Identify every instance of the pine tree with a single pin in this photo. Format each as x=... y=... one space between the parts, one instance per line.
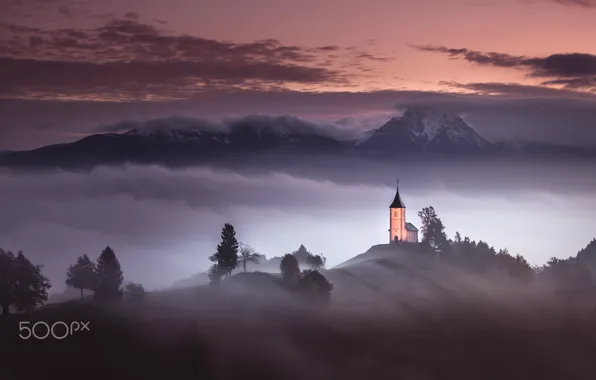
x=433 y=230
x=226 y=256
x=109 y=276
x=81 y=275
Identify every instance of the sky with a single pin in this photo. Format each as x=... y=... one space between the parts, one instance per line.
x=515 y=69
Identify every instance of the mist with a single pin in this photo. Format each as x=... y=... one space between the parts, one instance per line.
x=164 y=224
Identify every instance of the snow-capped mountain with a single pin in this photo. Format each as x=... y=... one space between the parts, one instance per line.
x=425 y=130
x=253 y=132
x=182 y=142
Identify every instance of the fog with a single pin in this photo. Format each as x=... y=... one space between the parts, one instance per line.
x=163 y=223
x=392 y=315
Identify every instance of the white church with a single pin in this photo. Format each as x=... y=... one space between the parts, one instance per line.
x=399 y=229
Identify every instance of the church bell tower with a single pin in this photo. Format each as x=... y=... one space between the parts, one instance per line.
x=397 y=219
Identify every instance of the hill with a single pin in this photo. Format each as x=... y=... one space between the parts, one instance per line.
x=228 y=334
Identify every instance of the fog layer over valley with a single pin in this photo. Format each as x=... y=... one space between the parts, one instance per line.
x=164 y=223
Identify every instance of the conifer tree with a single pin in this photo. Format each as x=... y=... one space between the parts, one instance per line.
x=433 y=230
x=226 y=256
x=109 y=276
x=81 y=275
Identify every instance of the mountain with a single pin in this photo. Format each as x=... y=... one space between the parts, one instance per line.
x=425 y=130
x=177 y=146
x=178 y=142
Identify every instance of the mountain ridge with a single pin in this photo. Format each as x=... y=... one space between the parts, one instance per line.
x=419 y=131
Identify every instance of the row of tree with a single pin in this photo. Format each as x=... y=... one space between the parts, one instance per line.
x=575 y=275
x=24 y=287
x=230 y=254
x=104 y=277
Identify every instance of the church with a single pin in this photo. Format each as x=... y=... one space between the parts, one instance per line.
x=399 y=229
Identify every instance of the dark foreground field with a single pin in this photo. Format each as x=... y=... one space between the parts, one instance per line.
x=392 y=315
x=284 y=342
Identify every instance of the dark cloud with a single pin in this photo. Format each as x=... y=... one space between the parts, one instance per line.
x=580 y=3
x=572 y=70
x=127 y=59
x=497 y=110
x=132 y=15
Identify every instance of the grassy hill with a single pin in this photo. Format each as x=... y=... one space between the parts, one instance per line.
x=393 y=314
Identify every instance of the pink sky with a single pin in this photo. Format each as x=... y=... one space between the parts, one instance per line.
x=384 y=28
x=178 y=53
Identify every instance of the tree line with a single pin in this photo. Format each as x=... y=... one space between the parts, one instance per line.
x=570 y=277
x=230 y=253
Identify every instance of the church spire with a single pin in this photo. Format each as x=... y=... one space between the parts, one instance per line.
x=397 y=202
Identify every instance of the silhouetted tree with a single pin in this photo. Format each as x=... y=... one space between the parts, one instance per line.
x=315 y=285
x=433 y=230
x=22 y=283
x=587 y=256
x=109 y=276
x=81 y=275
x=317 y=262
x=290 y=268
x=136 y=291
x=226 y=255
x=306 y=257
x=516 y=266
x=302 y=254
x=457 y=239
x=249 y=255
x=215 y=274
x=567 y=277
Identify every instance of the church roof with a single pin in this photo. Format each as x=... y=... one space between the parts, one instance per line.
x=411 y=227
x=397 y=202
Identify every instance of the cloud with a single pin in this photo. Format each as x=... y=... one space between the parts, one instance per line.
x=573 y=70
x=579 y=3
x=497 y=110
x=284 y=124
x=125 y=59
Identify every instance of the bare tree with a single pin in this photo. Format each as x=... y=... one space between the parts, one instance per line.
x=248 y=254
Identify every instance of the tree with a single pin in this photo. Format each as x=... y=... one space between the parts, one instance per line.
x=136 y=291
x=215 y=274
x=109 y=276
x=317 y=262
x=315 y=286
x=249 y=255
x=226 y=255
x=433 y=230
x=588 y=256
x=22 y=283
x=302 y=254
x=81 y=275
x=290 y=268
